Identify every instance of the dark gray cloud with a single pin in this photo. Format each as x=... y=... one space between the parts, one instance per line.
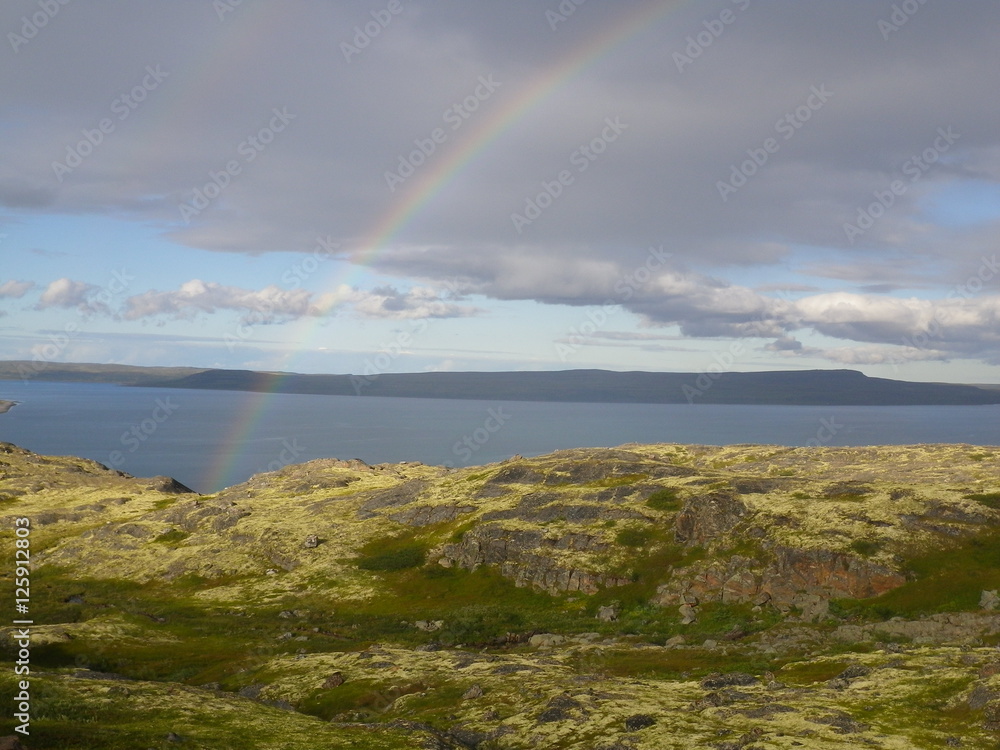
x=269 y=130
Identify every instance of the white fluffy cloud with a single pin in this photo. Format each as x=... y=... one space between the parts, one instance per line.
x=272 y=304
x=276 y=305
x=15 y=289
x=67 y=293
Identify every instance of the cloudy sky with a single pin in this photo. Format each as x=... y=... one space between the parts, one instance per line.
x=411 y=185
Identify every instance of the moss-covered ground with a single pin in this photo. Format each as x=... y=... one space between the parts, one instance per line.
x=339 y=605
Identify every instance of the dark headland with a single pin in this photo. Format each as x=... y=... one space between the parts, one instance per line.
x=799 y=387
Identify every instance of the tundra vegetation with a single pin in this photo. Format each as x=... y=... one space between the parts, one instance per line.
x=647 y=596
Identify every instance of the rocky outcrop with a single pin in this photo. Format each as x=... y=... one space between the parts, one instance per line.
x=526 y=557
x=189 y=515
x=168 y=485
x=800 y=578
x=946 y=627
x=545 y=507
x=828 y=573
x=401 y=494
x=427 y=515
x=705 y=518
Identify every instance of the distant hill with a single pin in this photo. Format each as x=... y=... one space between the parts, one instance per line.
x=799 y=387
x=69 y=372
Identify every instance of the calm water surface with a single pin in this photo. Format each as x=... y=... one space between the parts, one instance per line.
x=212 y=439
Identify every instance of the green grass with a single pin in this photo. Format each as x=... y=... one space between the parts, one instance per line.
x=172 y=537
x=367 y=699
x=866 y=547
x=400 y=558
x=477 y=623
x=176 y=638
x=7 y=501
x=949 y=579
x=458 y=534
x=717 y=619
x=989 y=499
x=559 y=479
x=747 y=547
x=395 y=553
x=804 y=673
x=674 y=664
x=933 y=711
x=77 y=715
x=632 y=537
x=665 y=499
x=434 y=706
x=476 y=606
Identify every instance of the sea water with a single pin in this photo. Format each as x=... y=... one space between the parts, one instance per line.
x=212 y=439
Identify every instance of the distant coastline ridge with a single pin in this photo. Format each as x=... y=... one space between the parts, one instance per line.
x=774 y=388
x=6 y=406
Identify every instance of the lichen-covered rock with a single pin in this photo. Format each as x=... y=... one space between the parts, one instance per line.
x=688 y=614
x=530 y=557
x=608 y=613
x=801 y=578
x=706 y=518
x=476 y=691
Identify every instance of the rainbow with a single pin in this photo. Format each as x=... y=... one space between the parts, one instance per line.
x=429 y=182
x=433 y=180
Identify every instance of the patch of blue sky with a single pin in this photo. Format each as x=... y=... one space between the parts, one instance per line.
x=92 y=248
x=963 y=204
